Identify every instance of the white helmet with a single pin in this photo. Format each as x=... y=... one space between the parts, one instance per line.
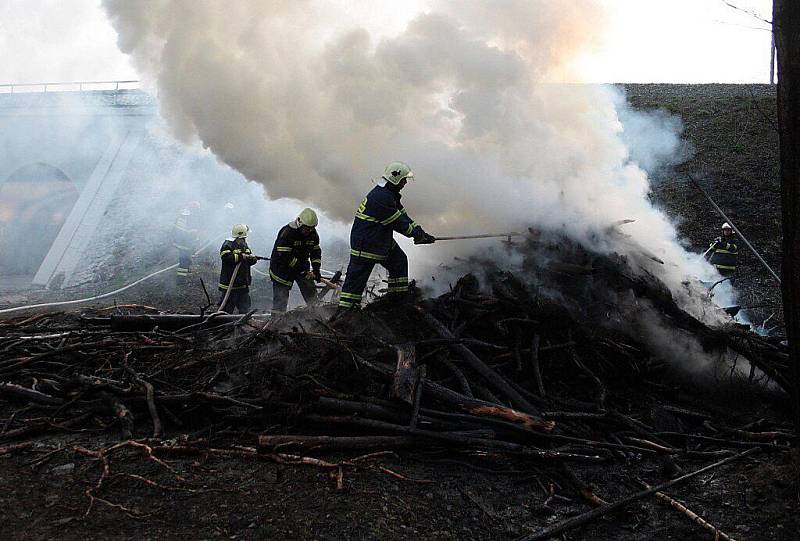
x=396 y=172
x=239 y=231
x=726 y=225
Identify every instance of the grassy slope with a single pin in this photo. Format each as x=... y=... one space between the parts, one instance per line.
x=732 y=129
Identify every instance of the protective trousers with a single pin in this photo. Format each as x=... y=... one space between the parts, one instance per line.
x=184 y=264
x=239 y=299
x=359 y=269
x=280 y=293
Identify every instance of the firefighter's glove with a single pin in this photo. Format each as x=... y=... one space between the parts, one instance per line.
x=317 y=275
x=421 y=237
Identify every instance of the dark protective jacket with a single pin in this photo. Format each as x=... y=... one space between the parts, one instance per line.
x=377 y=217
x=231 y=254
x=291 y=254
x=184 y=233
x=723 y=253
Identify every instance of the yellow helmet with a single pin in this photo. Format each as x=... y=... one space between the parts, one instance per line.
x=239 y=231
x=307 y=218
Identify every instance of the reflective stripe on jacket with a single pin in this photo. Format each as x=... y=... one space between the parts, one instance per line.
x=231 y=253
x=184 y=232
x=723 y=253
x=292 y=253
x=377 y=217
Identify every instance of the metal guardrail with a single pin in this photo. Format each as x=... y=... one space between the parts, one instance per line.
x=67 y=86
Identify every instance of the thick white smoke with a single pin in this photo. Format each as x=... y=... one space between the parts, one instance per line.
x=312 y=98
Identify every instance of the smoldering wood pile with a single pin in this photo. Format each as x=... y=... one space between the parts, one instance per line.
x=489 y=372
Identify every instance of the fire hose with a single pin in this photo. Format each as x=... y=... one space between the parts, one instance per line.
x=221 y=309
x=328 y=283
x=233 y=277
x=104 y=295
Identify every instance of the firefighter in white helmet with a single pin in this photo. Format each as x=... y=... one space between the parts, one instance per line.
x=185 y=238
x=723 y=252
x=234 y=251
x=296 y=257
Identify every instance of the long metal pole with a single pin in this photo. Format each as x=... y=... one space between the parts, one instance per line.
x=490 y=236
x=719 y=210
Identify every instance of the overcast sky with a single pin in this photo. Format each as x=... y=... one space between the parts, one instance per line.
x=680 y=41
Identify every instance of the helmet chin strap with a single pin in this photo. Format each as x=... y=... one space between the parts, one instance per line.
x=396 y=187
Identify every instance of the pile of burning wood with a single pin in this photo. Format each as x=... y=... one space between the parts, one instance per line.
x=487 y=370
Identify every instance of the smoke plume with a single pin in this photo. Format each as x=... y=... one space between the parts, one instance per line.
x=312 y=98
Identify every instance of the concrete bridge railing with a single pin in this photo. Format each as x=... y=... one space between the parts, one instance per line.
x=78 y=86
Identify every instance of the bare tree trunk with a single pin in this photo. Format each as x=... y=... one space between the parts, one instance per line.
x=786 y=29
x=772 y=61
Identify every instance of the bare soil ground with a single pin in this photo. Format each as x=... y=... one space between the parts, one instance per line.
x=44 y=488
x=409 y=494
x=733 y=142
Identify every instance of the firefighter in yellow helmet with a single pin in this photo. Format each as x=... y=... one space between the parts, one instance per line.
x=378 y=216
x=296 y=246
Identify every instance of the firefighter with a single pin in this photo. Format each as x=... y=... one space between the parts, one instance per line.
x=723 y=252
x=234 y=251
x=296 y=246
x=371 y=238
x=185 y=239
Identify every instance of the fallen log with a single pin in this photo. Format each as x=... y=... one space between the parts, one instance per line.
x=20 y=392
x=246 y=453
x=151 y=403
x=388 y=412
x=600 y=387
x=537 y=372
x=463 y=383
x=586 y=492
x=417 y=397
x=465 y=403
x=15 y=447
x=15 y=364
x=720 y=441
x=168 y=322
x=481 y=408
x=603 y=510
x=521 y=430
x=718 y=534
x=39 y=428
x=574 y=415
x=269 y=443
x=764 y=437
x=459 y=439
x=281 y=442
x=406 y=375
x=479 y=366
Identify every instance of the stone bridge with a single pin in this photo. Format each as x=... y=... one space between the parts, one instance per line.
x=63 y=156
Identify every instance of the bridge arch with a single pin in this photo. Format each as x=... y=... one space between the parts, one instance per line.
x=35 y=201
